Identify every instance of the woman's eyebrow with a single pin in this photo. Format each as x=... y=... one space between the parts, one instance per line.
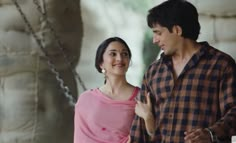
x=124 y=50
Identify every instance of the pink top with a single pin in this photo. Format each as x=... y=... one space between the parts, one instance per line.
x=99 y=119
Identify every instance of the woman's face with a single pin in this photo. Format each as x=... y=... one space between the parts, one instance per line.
x=116 y=59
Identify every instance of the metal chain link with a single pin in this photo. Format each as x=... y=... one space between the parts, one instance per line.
x=65 y=89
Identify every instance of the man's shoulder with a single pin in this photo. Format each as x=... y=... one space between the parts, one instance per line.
x=155 y=64
x=216 y=53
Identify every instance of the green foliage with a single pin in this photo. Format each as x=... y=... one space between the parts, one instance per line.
x=137 y=5
x=150 y=51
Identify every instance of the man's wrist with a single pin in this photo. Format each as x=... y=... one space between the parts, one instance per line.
x=214 y=138
x=210 y=133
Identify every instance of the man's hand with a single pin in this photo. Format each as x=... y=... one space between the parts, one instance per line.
x=197 y=136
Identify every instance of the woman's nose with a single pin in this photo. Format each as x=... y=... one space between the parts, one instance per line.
x=119 y=57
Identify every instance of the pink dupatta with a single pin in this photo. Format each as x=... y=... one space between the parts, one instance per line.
x=99 y=119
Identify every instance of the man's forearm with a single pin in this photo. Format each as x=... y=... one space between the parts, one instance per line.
x=226 y=127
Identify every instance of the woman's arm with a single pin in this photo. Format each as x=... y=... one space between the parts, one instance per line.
x=144 y=110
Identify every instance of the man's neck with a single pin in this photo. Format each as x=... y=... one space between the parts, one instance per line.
x=181 y=57
x=186 y=51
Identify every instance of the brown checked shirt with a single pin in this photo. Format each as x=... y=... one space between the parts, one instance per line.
x=204 y=95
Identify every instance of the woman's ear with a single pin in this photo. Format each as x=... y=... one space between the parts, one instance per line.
x=102 y=67
x=177 y=29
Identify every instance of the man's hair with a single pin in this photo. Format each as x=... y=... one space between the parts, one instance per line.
x=176 y=12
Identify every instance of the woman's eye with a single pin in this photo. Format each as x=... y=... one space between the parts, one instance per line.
x=125 y=54
x=113 y=54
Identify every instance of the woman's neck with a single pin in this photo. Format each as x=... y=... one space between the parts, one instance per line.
x=113 y=86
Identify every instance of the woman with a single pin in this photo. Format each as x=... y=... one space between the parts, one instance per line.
x=105 y=114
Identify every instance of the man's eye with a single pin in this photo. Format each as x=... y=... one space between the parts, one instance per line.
x=158 y=33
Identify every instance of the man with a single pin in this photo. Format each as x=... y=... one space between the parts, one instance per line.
x=192 y=86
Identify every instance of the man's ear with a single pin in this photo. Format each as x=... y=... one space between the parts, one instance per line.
x=177 y=30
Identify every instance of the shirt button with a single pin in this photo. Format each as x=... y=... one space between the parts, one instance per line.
x=168 y=133
x=170 y=115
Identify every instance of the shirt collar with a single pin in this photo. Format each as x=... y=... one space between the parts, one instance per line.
x=192 y=62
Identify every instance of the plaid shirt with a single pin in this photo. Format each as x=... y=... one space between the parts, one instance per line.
x=201 y=96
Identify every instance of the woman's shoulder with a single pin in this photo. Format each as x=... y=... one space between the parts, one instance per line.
x=134 y=88
x=88 y=92
x=87 y=95
x=135 y=92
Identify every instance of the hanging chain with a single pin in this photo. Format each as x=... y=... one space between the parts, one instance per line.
x=59 y=43
x=66 y=90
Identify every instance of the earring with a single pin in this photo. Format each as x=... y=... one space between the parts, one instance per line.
x=103 y=71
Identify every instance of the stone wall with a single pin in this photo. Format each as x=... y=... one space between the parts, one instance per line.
x=218 y=20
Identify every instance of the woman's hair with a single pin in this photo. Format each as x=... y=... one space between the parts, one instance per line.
x=176 y=12
x=102 y=48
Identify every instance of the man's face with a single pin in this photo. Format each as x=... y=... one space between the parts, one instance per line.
x=165 y=39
